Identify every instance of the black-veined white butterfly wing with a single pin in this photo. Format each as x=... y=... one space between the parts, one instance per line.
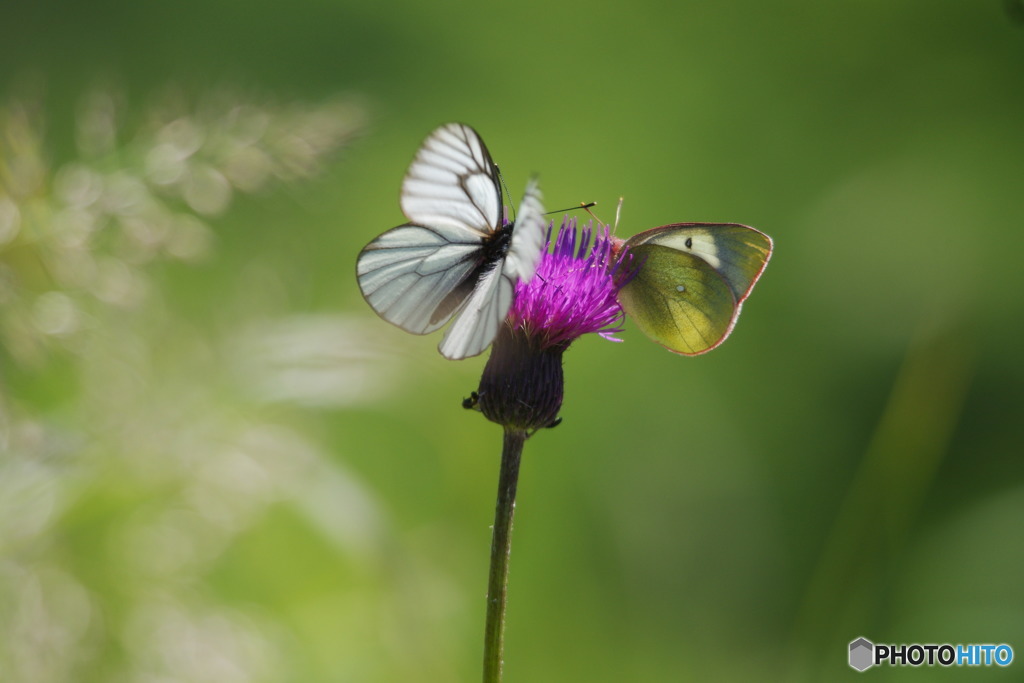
x=453 y=182
x=416 y=277
x=419 y=275
x=528 y=236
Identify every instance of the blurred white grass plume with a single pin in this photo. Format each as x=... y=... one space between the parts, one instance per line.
x=169 y=468
x=85 y=227
x=317 y=361
x=48 y=615
x=170 y=640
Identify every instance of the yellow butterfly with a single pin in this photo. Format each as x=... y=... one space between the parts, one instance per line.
x=690 y=281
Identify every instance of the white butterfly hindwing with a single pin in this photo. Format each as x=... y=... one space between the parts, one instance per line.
x=407 y=273
x=476 y=326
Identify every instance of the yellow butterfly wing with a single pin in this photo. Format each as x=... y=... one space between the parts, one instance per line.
x=690 y=282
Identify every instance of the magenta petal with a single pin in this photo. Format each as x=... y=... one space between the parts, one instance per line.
x=574 y=289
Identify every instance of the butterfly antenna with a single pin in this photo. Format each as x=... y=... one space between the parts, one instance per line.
x=582 y=205
x=505 y=188
x=619 y=213
x=592 y=214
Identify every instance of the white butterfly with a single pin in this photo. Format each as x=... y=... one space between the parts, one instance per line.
x=454 y=257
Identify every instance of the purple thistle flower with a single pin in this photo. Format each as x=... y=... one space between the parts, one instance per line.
x=573 y=291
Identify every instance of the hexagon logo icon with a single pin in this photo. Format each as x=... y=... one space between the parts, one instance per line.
x=862 y=654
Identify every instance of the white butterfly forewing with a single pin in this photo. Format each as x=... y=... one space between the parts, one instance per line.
x=452 y=181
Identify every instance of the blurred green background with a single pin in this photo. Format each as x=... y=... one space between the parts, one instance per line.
x=216 y=464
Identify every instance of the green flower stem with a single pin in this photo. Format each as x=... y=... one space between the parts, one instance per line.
x=501 y=545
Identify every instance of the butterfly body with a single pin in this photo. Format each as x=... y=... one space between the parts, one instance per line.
x=497 y=245
x=455 y=259
x=690 y=280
